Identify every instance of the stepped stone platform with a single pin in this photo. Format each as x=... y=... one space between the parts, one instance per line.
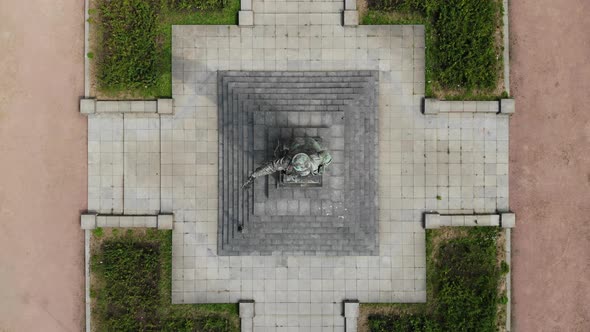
x=257 y=111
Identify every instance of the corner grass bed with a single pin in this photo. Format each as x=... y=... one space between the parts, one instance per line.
x=463 y=43
x=465 y=286
x=131 y=42
x=131 y=287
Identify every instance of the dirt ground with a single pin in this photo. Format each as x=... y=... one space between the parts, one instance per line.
x=550 y=164
x=43 y=165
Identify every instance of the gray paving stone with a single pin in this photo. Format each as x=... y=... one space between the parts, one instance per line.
x=165 y=221
x=508 y=220
x=87 y=106
x=88 y=221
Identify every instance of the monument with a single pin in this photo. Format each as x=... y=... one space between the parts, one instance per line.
x=298 y=163
x=302 y=162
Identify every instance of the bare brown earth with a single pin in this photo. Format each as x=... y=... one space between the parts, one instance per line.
x=550 y=164
x=42 y=165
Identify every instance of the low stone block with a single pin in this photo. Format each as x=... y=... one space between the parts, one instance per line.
x=151 y=222
x=351 y=308
x=508 y=220
x=101 y=221
x=431 y=106
x=107 y=106
x=150 y=106
x=87 y=106
x=246 y=308
x=507 y=106
x=444 y=106
x=165 y=106
x=488 y=220
x=458 y=221
x=457 y=106
x=165 y=221
x=432 y=220
x=88 y=221
x=350 y=4
x=351 y=18
x=246 y=18
x=126 y=221
x=138 y=106
x=112 y=221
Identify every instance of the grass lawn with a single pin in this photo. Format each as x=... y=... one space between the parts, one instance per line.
x=131 y=42
x=131 y=271
x=463 y=43
x=465 y=286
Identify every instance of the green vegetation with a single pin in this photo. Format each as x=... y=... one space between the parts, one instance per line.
x=463 y=43
x=464 y=281
x=131 y=287
x=133 y=41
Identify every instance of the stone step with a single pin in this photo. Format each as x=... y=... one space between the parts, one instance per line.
x=245 y=100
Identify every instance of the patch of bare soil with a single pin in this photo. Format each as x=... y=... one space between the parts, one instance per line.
x=43 y=170
x=550 y=164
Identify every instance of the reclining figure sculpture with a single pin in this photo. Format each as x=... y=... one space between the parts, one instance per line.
x=301 y=158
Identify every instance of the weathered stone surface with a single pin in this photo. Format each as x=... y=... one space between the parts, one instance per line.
x=507 y=106
x=350 y=18
x=432 y=221
x=246 y=18
x=165 y=106
x=260 y=109
x=87 y=106
x=165 y=221
x=508 y=220
x=88 y=221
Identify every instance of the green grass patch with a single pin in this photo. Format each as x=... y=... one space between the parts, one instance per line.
x=131 y=287
x=463 y=43
x=133 y=41
x=464 y=285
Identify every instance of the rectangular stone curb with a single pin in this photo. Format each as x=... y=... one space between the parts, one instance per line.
x=247 y=313
x=87 y=106
x=351 y=314
x=507 y=106
x=508 y=220
x=165 y=221
x=432 y=221
x=126 y=221
x=246 y=18
x=165 y=106
x=435 y=106
x=350 y=18
x=431 y=106
x=350 y=4
x=88 y=221
x=122 y=106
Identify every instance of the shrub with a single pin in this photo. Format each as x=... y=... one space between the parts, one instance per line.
x=128 y=46
x=131 y=272
x=464 y=52
x=466 y=282
x=131 y=288
x=196 y=4
x=461 y=49
x=414 y=323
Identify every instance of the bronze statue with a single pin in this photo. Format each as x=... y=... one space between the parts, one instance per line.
x=301 y=158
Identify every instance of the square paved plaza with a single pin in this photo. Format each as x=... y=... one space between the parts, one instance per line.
x=452 y=161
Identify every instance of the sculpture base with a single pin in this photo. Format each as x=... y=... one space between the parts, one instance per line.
x=306 y=181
